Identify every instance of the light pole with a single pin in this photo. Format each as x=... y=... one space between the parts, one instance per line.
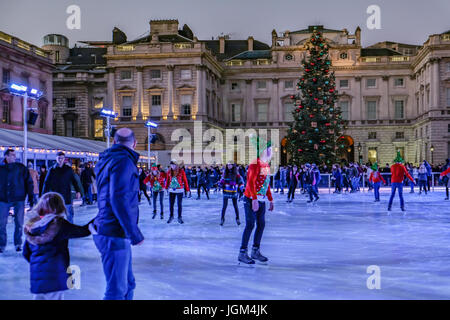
x=432 y=151
x=26 y=93
x=150 y=139
x=108 y=114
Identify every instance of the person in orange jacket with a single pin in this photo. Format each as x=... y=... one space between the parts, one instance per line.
x=157 y=180
x=376 y=178
x=176 y=182
x=398 y=173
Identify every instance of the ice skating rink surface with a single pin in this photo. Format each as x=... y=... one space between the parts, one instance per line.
x=316 y=251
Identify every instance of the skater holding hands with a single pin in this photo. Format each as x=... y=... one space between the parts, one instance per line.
x=157 y=180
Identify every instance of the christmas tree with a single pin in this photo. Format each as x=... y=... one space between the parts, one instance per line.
x=317 y=121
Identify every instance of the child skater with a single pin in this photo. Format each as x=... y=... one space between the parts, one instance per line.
x=376 y=178
x=157 y=180
x=46 y=247
x=231 y=182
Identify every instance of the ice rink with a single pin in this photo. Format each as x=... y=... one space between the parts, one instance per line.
x=319 y=251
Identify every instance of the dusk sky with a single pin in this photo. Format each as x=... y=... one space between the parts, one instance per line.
x=401 y=21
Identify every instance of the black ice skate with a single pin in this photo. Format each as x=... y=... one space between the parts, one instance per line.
x=222 y=221
x=170 y=219
x=154 y=214
x=244 y=258
x=316 y=199
x=238 y=222
x=256 y=255
x=180 y=221
x=162 y=215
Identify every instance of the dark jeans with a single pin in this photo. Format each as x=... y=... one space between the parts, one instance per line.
x=144 y=190
x=179 y=197
x=376 y=190
x=116 y=260
x=161 y=199
x=311 y=192
x=204 y=188
x=225 y=204
x=395 y=186
x=250 y=218
x=19 y=208
x=291 y=191
x=87 y=193
x=422 y=184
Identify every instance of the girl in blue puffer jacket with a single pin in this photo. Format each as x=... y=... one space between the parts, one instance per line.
x=46 y=247
x=231 y=183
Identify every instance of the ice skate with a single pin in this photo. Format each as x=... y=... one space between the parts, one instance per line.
x=154 y=214
x=18 y=248
x=222 y=221
x=238 y=222
x=162 y=215
x=244 y=259
x=316 y=199
x=257 y=256
x=170 y=219
x=180 y=221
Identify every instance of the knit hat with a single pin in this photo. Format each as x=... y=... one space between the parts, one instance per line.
x=154 y=167
x=399 y=158
x=375 y=167
x=260 y=143
x=173 y=161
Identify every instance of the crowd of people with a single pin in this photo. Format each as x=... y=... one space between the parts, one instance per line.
x=117 y=186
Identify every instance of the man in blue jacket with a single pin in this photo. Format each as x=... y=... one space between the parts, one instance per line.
x=15 y=185
x=116 y=224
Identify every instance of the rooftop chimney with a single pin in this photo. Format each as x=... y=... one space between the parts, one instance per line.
x=250 y=43
x=221 y=44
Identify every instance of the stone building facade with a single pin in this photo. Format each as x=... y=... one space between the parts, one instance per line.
x=394 y=96
x=25 y=64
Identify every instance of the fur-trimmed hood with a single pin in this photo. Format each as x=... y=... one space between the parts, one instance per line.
x=42 y=230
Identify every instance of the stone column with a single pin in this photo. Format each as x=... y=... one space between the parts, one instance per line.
x=170 y=89
x=384 y=101
x=435 y=84
x=357 y=106
x=247 y=110
x=140 y=92
x=111 y=89
x=199 y=91
x=273 y=114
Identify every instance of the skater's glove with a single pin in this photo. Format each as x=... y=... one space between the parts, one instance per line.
x=270 y=206
x=92 y=229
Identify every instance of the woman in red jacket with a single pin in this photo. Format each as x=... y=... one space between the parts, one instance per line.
x=176 y=182
x=157 y=180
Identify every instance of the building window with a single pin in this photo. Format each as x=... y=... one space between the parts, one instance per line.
x=42 y=86
x=371 y=83
x=402 y=152
x=70 y=128
x=289 y=84
x=126 y=106
x=398 y=82
x=156 y=106
x=71 y=103
x=448 y=97
x=372 y=135
x=448 y=66
x=235 y=112
x=125 y=75
x=98 y=128
x=448 y=128
x=371 y=110
x=56 y=56
x=185 y=74
x=343 y=83
x=234 y=86
x=262 y=112
x=155 y=74
x=98 y=103
x=399 y=109
x=343 y=55
x=42 y=118
x=261 y=85
x=6 y=115
x=289 y=108
x=186 y=101
x=399 y=135
x=343 y=105
x=6 y=76
x=372 y=155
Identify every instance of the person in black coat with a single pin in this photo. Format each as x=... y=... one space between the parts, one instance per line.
x=293 y=181
x=143 y=186
x=59 y=178
x=42 y=176
x=203 y=182
x=15 y=185
x=46 y=247
x=87 y=176
x=116 y=224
